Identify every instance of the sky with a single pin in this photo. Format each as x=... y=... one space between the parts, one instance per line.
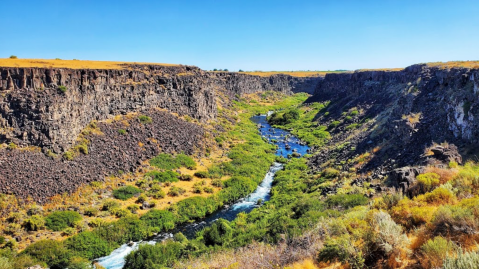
x=242 y=34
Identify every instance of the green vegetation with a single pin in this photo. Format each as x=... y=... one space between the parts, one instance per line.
x=63 y=89
x=13 y=57
x=122 y=131
x=60 y=220
x=126 y=192
x=145 y=119
x=167 y=176
x=300 y=121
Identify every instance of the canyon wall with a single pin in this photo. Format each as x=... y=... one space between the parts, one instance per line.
x=402 y=113
x=34 y=110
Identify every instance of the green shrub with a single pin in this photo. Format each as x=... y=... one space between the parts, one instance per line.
x=68 y=155
x=133 y=208
x=80 y=263
x=334 y=124
x=176 y=191
x=450 y=219
x=122 y=131
x=51 y=252
x=69 y=231
x=96 y=222
x=202 y=174
x=162 y=219
x=144 y=119
x=34 y=223
x=156 y=192
x=63 y=89
x=125 y=192
x=220 y=233
x=354 y=113
x=60 y=220
x=12 y=146
x=352 y=126
x=341 y=249
x=217 y=183
x=120 y=212
x=88 y=245
x=185 y=177
x=385 y=235
x=186 y=161
x=462 y=260
x=158 y=256
x=13 y=57
x=346 y=200
x=435 y=250
x=208 y=189
x=330 y=173
x=91 y=211
x=167 y=176
x=109 y=204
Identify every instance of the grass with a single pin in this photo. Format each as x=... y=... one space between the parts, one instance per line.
x=292 y=73
x=72 y=64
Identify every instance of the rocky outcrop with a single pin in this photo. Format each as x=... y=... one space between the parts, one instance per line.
x=401 y=113
x=34 y=110
x=111 y=152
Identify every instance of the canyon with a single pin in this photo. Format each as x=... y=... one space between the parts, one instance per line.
x=404 y=110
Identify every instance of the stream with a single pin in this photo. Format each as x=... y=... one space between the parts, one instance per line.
x=287 y=144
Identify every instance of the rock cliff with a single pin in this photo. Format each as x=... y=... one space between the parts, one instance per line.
x=36 y=110
x=401 y=113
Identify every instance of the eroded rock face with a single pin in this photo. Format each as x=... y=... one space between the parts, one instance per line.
x=33 y=111
x=407 y=111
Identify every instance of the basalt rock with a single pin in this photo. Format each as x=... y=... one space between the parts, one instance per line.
x=404 y=178
x=402 y=113
x=34 y=110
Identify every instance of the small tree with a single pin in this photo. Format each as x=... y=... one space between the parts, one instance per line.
x=13 y=57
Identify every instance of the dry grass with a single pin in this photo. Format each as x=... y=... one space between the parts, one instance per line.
x=292 y=73
x=73 y=64
x=297 y=253
x=455 y=64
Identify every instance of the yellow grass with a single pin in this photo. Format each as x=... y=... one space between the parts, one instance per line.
x=72 y=64
x=453 y=64
x=292 y=73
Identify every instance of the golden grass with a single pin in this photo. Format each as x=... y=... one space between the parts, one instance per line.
x=455 y=64
x=291 y=73
x=72 y=64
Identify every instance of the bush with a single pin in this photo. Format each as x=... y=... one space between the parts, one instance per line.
x=51 y=252
x=387 y=237
x=63 y=89
x=452 y=219
x=162 y=219
x=186 y=161
x=80 y=263
x=462 y=260
x=156 y=192
x=435 y=251
x=202 y=174
x=13 y=57
x=167 y=176
x=69 y=231
x=428 y=181
x=208 y=189
x=60 y=220
x=161 y=255
x=109 y=204
x=343 y=250
x=90 y=211
x=217 y=183
x=346 y=200
x=34 y=223
x=441 y=195
x=220 y=233
x=88 y=245
x=122 y=131
x=185 y=177
x=334 y=124
x=133 y=208
x=68 y=155
x=12 y=146
x=176 y=191
x=126 y=192
x=144 y=119
x=330 y=173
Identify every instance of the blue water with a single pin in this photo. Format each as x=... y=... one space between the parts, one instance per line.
x=282 y=138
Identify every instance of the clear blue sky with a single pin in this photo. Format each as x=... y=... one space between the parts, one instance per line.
x=243 y=34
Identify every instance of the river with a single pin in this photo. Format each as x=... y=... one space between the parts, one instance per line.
x=287 y=144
